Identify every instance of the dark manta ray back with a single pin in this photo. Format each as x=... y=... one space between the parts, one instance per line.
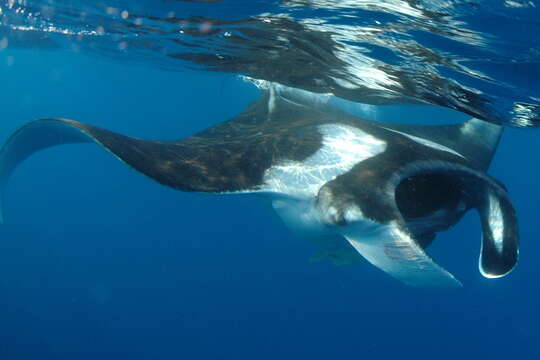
x=385 y=189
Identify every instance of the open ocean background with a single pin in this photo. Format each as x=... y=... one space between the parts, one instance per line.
x=99 y=262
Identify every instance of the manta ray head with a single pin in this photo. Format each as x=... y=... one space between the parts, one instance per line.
x=390 y=223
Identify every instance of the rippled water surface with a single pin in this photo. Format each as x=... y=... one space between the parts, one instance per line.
x=479 y=57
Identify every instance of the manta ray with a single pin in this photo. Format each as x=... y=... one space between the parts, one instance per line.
x=354 y=187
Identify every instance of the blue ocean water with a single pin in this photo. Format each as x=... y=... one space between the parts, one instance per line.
x=97 y=261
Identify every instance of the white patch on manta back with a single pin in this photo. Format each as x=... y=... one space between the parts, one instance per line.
x=342 y=148
x=427 y=143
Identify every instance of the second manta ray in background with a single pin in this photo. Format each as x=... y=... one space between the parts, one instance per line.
x=384 y=189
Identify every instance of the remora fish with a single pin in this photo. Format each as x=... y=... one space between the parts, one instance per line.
x=386 y=189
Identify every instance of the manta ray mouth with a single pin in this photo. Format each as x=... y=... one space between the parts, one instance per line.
x=430 y=203
x=429 y=200
x=434 y=200
x=420 y=196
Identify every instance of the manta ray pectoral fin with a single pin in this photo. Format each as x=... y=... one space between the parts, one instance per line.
x=500 y=235
x=392 y=250
x=229 y=157
x=190 y=165
x=476 y=140
x=32 y=138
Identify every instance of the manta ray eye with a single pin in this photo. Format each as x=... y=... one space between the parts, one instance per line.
x=421 y=195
